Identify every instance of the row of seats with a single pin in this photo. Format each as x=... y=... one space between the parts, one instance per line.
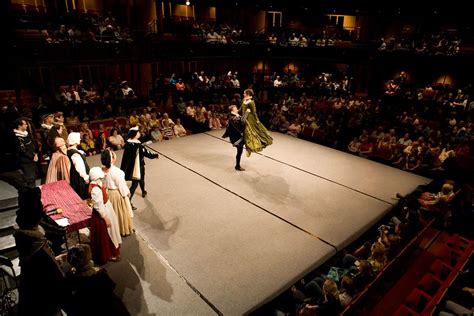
x=312 y=134
x=108 y=123
x=433 y=285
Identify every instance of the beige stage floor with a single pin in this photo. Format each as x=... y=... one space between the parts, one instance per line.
x=213 y=240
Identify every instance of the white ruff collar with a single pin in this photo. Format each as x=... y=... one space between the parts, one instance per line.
x=20 y=133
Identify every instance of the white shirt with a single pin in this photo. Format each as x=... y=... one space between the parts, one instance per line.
x=80 y=166
x=127 y=90
x=235 y=83
x=107 y=210
x=116 y=140
x=179 y=130
x=115 y=179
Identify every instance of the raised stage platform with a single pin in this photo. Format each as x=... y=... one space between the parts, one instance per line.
x=213 y=240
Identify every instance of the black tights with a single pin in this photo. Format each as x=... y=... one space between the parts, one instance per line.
x=240 y=149
x=135 y=185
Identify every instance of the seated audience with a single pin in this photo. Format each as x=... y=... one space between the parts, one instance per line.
x=88 y=145
x=156 y=134
x=116 y=140
x=179 y=129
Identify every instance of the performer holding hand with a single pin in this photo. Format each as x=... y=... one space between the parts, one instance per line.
x=133 y=161
x=235 y=131
x=256 y=135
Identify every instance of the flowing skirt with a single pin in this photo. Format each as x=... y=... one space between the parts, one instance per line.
x=105 y=241
x=256 y=135
x=123 y=210
x=58 y=168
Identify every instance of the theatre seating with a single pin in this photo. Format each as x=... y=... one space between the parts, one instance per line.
x=122 y=120
x=440 y=270
x=404 y=310
x=450 y=256
x=417 y=300
x=430 y=290
x=108 y=123
x=430 y=284
x=458 y=243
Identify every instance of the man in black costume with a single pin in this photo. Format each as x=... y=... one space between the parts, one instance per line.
x=26 y=151
x=135 y=171
x=235 y=131
x=10 y=169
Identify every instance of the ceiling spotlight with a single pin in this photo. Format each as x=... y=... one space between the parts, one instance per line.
x=188 y=2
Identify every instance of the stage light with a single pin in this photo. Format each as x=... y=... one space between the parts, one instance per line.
x=188 y=2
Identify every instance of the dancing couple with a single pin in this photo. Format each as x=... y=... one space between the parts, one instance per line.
x=246 y=129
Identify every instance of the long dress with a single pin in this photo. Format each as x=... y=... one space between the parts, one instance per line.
x=105 y=241
x=255 y=134
x=59 y=168
x=118 y=191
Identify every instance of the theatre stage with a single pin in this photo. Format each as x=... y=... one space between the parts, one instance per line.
x=213 y=240
x=236 y=240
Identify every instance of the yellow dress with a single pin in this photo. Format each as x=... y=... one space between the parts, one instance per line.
x=256 y=135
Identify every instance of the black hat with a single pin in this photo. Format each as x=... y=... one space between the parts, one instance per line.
x=46 y=115
x=132 y=132
x=30 y=209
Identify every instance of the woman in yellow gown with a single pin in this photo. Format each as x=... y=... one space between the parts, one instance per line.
x=256 y=135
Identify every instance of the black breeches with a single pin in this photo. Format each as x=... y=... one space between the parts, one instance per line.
x=240 y=149
x=29 y=173
x=135 y=184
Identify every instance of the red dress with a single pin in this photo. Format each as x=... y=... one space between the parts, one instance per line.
x=102 y=246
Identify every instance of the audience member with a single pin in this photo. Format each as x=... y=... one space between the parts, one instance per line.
x=43 y=289
x=179 y=129
x=116 y=140
x=92 y=287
